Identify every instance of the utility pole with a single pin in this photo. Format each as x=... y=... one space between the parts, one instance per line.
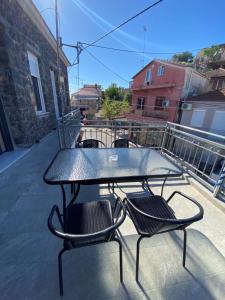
x=78 y=48
x=145 y=30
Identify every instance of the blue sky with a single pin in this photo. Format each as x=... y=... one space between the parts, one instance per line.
x=171 y=26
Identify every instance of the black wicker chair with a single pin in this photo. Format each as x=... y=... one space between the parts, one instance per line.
x=86 y=224
x=122 y=143
x=90 y=143
x=152 y=215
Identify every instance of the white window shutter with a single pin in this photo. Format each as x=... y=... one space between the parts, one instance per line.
x=33 y=63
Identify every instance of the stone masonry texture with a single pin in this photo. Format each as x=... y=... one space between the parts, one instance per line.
x=18 y=34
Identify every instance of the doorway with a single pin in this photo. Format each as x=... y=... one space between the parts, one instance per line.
x=5 y=139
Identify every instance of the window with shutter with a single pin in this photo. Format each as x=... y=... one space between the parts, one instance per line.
x=140 y=103
x=37 y=97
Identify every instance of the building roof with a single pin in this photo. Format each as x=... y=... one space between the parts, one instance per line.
x=216 y=73
x=212 y=96
x=88 y=92
x=35 y=16
x=171 y=63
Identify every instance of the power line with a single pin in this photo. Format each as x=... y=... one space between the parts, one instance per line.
x=125 y=22
x=134 y=51
x=109 y=69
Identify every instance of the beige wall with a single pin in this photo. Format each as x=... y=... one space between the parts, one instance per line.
x=210 y=110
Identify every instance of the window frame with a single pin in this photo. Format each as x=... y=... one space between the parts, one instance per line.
x=148 y=78
x=35 y=72
x=217 y=117
x=161 y=71
x=140 y=103
x=198 y=118
x=157 y=99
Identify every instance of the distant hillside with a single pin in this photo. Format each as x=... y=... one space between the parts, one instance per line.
x=210 y=58
x=205 y=60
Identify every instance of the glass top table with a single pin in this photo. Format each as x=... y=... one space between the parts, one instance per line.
x=108 y=165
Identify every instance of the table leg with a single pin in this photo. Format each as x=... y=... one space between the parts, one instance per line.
x=148 y=187
x=64 y=205
x=75 y=194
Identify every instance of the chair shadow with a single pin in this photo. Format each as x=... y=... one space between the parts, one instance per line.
x=198 y=266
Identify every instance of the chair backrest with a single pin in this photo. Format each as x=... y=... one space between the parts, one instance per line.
x=87 y=238
x=166 y=224
x=90 y=143
x=121 y=143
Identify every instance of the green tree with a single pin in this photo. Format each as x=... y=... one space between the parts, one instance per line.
x=210 y=52
x=113 y=108
x=113 y=92
x=185 y=56
x=127 y=97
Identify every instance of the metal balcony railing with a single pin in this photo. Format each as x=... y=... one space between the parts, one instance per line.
x=69 y=129
x=200 y=153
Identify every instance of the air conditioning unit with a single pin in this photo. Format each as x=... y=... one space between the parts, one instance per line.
x=165 y=103
x=186 y=106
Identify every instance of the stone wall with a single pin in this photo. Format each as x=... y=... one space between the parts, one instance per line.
x=18 y=34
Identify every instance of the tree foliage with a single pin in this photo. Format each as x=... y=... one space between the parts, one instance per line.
x=114 y=92
x=210 y=52
x=127 y=97
x=116 y=101
x=113 y=108
x=185 y=56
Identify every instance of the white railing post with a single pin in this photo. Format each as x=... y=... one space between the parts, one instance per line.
x=164 y=138
x=220 y=181
x=115 y=129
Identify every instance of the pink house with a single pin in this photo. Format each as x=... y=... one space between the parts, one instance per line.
x=158 y=88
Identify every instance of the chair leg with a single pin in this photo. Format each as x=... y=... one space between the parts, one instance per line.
x=184 y=247
x=60 y=271
x=121 y=258
x=111 y=187
x=137 y=257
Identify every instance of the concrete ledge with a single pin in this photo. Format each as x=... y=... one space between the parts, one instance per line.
x=206 y=193
x=9 y=158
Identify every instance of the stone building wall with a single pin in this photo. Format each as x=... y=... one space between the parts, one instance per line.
x=18 y=34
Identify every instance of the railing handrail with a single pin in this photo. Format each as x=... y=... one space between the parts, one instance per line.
x=196 y=137
x=116 y=126
x=197 y=130
x=69 y=114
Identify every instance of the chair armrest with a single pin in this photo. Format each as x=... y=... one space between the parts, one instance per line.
x=55 y=209
x=78 y=144
x=102 y=143
x=185 y=221
x=200 y=213
x=74 y=237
